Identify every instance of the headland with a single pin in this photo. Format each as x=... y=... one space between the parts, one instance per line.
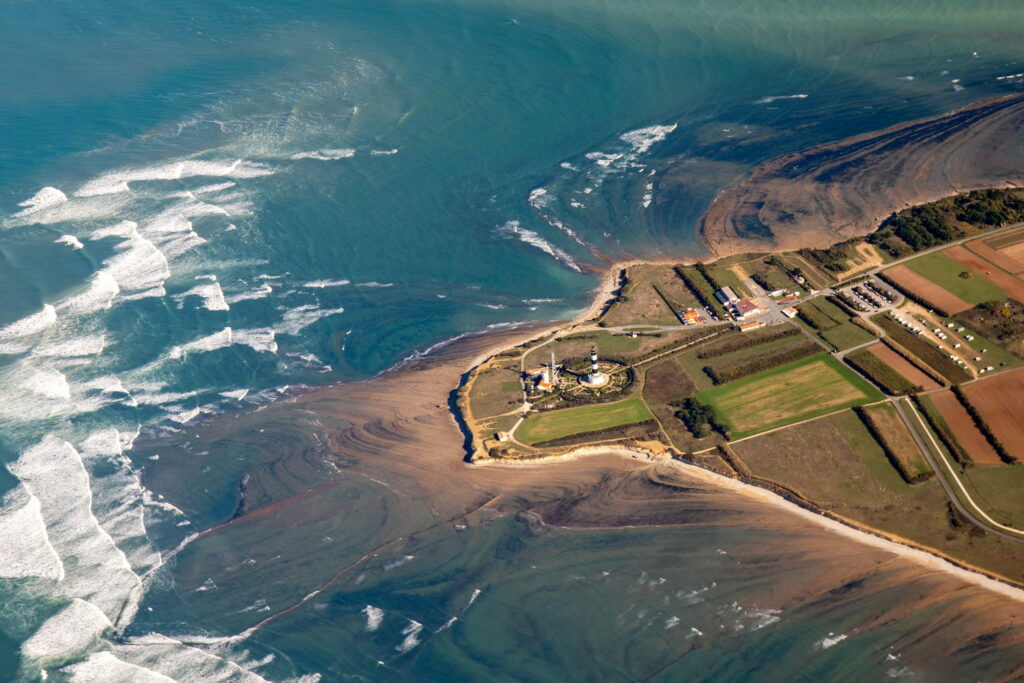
x=865 y=382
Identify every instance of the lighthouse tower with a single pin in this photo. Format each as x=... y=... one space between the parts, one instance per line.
x=596 y=378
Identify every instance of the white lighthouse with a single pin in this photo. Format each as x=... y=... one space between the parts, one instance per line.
x=596 y=378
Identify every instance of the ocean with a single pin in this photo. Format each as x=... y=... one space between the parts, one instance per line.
x=209 y=209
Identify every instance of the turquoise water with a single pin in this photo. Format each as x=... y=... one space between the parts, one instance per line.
x=205 y=204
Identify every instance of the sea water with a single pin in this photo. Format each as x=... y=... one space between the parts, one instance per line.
x=208 y=205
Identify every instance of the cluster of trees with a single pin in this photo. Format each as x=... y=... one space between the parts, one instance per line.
x=999 y=320
x=983 y=427
x=930 y=225
x=892 y=382
x=940 y=427
x=834 y=258
x=787 y=354
x=702 y=290
x=699 y=419
x=888 y=449
x=738 y=341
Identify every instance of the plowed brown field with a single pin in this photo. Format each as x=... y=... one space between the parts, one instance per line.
x=998 y=399
x=1000 y=258
x=902 y=366
x=1000 y=278
x=927 y=290
x=960 y=421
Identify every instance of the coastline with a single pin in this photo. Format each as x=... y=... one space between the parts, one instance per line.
x=920 y=554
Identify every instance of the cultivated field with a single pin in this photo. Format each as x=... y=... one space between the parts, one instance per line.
x=796 y=391
x=940 y=268
x=1005 y=259
x=925 y=289
x=962 y=426
x=893 y=434
x=560 y=423
x=1002 y=280
x=998 y=400
x=904 y=367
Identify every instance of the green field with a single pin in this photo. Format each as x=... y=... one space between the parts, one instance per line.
x=945 y=272
x=846 y=336
x=560 y=423
x=790 y=393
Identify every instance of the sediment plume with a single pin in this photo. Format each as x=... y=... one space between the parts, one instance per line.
x=845 y=189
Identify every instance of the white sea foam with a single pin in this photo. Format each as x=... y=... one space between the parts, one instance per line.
x=25 y=548
x=325 y=154
x=384 y=152
x=69 y=632
x=642 y=139
x=124 y=230
x=374 y=617
x=375 y=285
x=46 y=382
x=99 y=295
x=671 y=622
x=236 y=394
x=297 y=319
x=118 y=181
x=412 y=636
x=260 y=292
x=209 y=292
x=118 y=496
x=44 y=199
x=773 y=98
x=182 y=662
x=70 y=240
x=104 y=667
x=829 y=641
x=513 y=229
x=259 y=339
x=138 y=268
x=79 y=347
x=53 y=472
x=21 y=335
x=321 y=284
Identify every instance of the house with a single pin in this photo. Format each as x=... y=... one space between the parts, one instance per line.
x=726 y=296
x=789 y=312
x=754 y=325
x=777 y=293
x=747 y=308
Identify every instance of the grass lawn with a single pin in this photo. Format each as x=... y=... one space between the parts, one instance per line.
x=846 y=336
x=796 y=391
x=945 y=272
x=559 y=423
x=998 y=490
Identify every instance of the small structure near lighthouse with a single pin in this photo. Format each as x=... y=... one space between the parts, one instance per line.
x=595 y=378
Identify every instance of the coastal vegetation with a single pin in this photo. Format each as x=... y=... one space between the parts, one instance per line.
x=557 y=424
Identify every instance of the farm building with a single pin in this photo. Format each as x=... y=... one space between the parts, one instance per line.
x=726 y=296
x=747 y=308
x=789 y=312
x=753 y=325
x=690 y=317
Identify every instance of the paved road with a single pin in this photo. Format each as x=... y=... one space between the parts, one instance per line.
x=946 y=474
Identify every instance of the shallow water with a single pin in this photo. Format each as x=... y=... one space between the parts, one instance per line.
x=204 y=205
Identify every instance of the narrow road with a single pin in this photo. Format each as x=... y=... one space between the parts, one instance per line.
x=950 y=481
